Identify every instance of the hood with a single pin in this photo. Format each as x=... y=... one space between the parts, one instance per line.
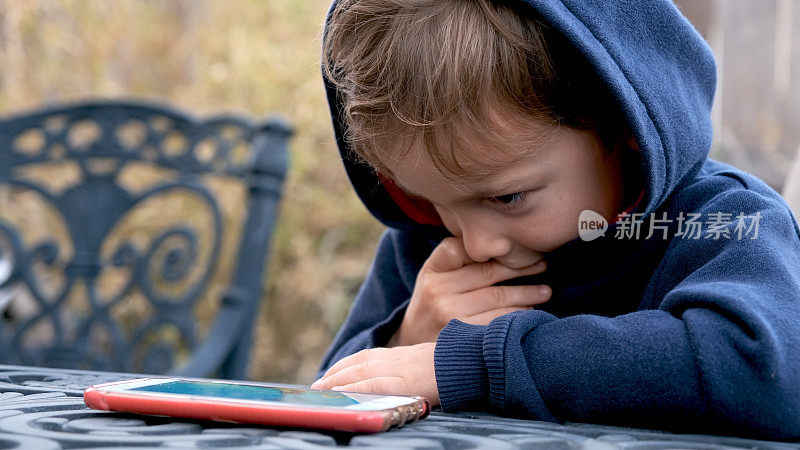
x=655 y=64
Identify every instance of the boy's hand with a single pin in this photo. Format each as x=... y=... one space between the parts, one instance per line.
x=452 y=286
x=393 y=371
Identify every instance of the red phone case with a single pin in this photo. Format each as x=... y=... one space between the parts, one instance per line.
x=229 y=411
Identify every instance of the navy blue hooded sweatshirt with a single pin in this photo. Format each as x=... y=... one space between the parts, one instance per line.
x=678 y=333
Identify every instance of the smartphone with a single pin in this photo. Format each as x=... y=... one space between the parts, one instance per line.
x=262 y=404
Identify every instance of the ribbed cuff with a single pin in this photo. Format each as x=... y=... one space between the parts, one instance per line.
x=508 y=367
x=494 y=346
x=460 y=370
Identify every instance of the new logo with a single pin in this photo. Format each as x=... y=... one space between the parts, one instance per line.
x=591 y=225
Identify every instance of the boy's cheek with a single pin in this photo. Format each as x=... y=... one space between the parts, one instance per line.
x=447 y=220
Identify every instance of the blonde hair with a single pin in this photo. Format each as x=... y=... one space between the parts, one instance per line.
x=443 y=73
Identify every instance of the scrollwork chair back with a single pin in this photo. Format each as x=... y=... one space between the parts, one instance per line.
x=118 y=260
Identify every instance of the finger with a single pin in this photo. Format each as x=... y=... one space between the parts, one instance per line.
x=475 y=276
x=378 y=385
x=487 y=317
x=358 y=372
x=359 y=358
x=449 y=255
x=496 y=297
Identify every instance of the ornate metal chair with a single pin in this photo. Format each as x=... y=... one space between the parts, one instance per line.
x=115 y=222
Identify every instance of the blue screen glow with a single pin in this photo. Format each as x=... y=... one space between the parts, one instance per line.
x=254 y=393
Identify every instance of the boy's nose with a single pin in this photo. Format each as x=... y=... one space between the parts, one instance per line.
x=481 y=246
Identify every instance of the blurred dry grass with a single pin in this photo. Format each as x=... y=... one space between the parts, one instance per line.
x=208 y=56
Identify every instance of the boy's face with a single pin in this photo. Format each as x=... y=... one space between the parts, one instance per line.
x=526 y=208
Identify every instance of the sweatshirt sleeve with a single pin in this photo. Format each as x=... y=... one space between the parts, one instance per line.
x=718 y=355
x=382 y=299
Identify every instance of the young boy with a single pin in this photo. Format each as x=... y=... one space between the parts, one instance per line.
x=560 y=247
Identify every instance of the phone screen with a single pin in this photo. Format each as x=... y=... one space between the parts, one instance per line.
x=272 y=394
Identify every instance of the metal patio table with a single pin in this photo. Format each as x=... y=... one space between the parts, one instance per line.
x=43 y=408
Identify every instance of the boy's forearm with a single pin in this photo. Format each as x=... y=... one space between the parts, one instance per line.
x=642 y=369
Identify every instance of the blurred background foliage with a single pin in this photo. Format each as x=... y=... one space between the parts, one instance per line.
x=259 y=57
x=757 y=103
x=253 y=57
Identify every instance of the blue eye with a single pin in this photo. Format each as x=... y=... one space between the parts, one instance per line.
x=509 y=201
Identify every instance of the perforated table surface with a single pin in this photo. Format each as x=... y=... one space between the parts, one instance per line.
x=43 y=408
